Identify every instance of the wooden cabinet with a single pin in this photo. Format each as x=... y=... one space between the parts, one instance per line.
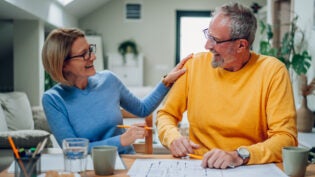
x=130 y=72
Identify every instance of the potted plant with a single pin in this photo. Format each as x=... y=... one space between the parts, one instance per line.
x=128 y=47
x=298 y=61
x=290 y=52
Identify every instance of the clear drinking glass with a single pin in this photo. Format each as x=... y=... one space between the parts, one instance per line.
x=75 y=154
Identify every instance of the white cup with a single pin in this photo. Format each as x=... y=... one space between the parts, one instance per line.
x=75 y=154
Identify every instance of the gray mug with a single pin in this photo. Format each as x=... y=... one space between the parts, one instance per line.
x=295 y=160
x=104 y=159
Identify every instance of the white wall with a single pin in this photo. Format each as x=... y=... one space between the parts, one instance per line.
x=155 y=33
x=305 y=10
x=28 y=71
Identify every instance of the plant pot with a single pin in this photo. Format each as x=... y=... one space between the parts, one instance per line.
x=305 y=117
x=131 y=59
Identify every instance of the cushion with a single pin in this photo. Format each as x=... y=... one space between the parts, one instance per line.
x=40 y=121
x=3 y=123
x=17 y=110
x=23 y=138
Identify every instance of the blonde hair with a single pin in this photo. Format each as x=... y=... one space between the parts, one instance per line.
x=56 y=48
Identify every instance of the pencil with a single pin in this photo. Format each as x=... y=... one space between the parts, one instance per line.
x=195 y=156
x=17 y=155
x=16 y=152
x=37 y=149
x=127 y=126
x=42 y=146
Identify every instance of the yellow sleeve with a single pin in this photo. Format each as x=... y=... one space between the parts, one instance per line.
x=171 y=112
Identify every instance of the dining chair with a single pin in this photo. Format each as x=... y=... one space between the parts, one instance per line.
x=147 y=146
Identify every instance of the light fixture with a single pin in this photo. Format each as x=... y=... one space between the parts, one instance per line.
x=65 y=2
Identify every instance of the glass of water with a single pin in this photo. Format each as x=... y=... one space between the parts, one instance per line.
x=75 y=154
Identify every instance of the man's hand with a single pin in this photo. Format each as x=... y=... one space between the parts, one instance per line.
x=218 y=158
x=182 y=146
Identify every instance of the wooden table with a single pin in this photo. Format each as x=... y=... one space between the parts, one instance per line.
x=129 y=159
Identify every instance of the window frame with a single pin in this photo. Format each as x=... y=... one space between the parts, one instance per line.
x=179 y=15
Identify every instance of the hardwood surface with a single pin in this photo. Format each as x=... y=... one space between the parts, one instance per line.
x=129 y=159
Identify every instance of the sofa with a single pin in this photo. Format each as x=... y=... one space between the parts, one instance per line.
x=25 y=124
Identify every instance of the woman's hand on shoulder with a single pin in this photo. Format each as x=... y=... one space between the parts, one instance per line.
x=176 y=72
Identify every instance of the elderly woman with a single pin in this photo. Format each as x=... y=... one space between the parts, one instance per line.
x=87 y=104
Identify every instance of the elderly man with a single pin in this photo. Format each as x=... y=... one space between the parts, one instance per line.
x=240 y=104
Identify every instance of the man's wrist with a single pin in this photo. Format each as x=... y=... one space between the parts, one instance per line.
x=244 y=154
x=238 y=161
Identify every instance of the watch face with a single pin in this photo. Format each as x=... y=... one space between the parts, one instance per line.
x=243 y=152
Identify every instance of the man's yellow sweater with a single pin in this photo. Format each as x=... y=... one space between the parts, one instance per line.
x=253 y=107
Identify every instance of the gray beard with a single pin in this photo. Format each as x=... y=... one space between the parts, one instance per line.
x=216 y=64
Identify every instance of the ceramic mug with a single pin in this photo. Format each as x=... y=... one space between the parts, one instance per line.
x=104 y=159
x=295 y=160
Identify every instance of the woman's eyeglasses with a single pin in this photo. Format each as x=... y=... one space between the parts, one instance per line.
x=86 y=55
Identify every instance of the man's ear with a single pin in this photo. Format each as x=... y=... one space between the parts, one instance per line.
x=243 y=44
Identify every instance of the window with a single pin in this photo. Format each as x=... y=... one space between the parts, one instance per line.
x=189 y=36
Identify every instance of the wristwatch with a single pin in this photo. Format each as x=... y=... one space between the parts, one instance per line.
x=243 y=153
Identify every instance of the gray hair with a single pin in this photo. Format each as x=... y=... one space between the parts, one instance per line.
x=243 y=21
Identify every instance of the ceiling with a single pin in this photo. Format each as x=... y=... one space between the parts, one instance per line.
x=80 y=8
x=9 y=12
x=77 y=8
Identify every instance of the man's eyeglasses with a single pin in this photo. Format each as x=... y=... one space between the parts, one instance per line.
x=214 y=40
x=86 y=55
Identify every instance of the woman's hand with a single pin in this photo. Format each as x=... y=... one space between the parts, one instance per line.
x=176 y=72
x=136 y=131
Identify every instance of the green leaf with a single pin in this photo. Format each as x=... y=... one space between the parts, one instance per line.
x=285 y=61
x=264 y=47
x=301 y=62
x=286 y=53
x=269 y=32
x=262 y=26
x=49 y=82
